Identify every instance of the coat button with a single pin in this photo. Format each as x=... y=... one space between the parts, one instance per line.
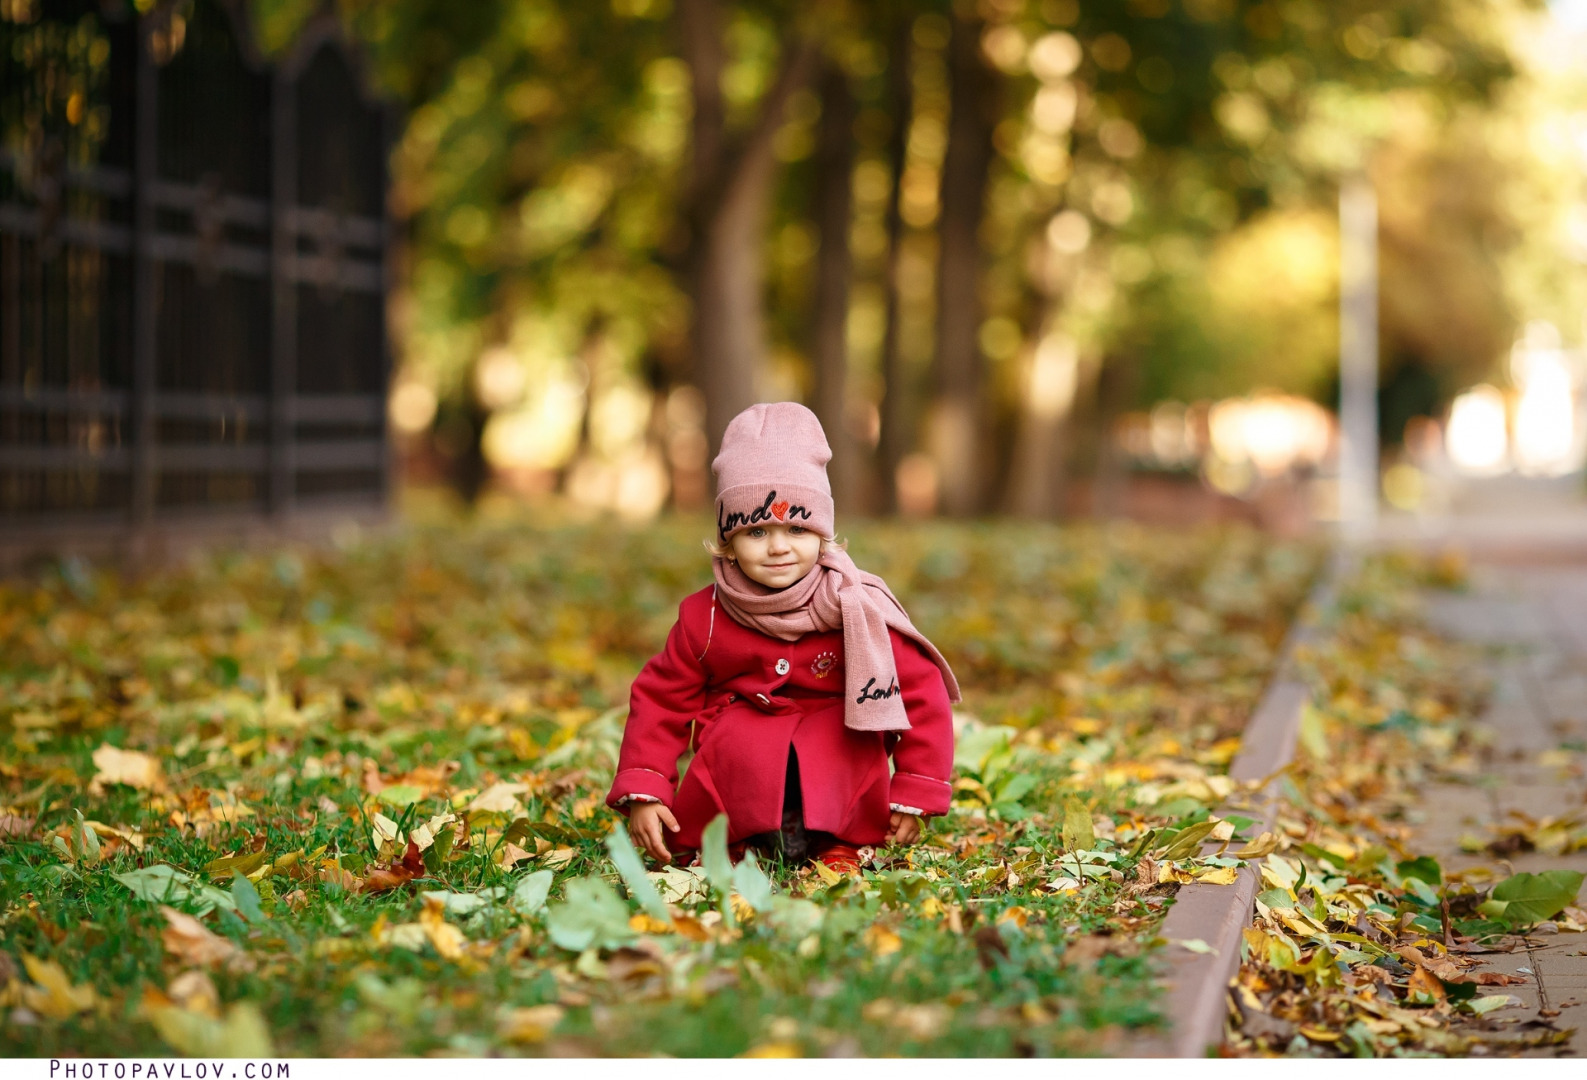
x=782 y=666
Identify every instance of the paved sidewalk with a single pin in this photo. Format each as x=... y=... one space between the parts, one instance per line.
x=1535 y=765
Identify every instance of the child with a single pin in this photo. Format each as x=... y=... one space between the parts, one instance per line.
x=792 y=679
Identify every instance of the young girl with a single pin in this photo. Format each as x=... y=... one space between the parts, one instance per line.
x=792 y=678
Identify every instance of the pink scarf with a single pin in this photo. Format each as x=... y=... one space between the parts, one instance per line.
x=835 y=594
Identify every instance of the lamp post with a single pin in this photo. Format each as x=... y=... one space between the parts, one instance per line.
x=1358 y=359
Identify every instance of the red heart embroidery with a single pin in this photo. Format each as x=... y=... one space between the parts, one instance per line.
x=778 y=509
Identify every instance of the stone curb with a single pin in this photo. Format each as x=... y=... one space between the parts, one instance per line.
x=1195 y=983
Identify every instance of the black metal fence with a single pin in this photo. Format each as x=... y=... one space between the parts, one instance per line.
x=193 y=265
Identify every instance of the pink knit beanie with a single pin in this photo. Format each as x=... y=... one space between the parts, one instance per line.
x=773 y=468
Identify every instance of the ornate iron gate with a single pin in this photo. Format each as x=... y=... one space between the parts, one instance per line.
x=193 y=263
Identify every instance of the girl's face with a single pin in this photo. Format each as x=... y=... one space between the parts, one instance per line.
x=776 y=555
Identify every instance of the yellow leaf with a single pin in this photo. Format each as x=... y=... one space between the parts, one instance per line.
x=1223 y=875
x=1262 y=846
x=1078 y=834
x=53 y=994
x=130 y=767
x=648 y=924
x=826 y=873
x=774 y=1050
x=385 y=831
x=447 y=939
x=528 y=1025
x=135 y=839
x=882 y=941
x=1019 y=916
x=499 y=799
x=243 y=1033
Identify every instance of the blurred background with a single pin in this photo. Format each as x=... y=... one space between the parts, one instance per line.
x=1048 y=258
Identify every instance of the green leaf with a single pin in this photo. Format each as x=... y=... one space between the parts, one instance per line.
x=400 y=795
x=718 y=867
x=1276 y=898
x=1488 y=1002
x=465 y=904
x=1531 y=898
x=165 y=884
x=1423 y=892
x=530 y=894
x=1017 y=787
x=752 y=884
x=593 y=917
x=632 y=869
x=1425 y=868
x=246 y=897
x=1078 y=834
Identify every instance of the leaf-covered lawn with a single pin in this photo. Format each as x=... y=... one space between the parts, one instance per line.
x=349 y=801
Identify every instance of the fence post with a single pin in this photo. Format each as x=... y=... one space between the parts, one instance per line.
x=145 y=289
x=283 y=291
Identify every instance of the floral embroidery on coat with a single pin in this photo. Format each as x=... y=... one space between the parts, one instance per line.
x=823 y=664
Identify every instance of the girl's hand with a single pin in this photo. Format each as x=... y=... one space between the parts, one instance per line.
x=644 y=825
x=903 y=828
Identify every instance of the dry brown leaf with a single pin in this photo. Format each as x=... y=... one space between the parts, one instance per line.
x=512 y=855
x=130 y=767
x=13 y=827
x=195 y=991
x=191 y=942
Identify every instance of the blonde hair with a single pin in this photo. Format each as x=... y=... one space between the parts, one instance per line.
x=720 y=550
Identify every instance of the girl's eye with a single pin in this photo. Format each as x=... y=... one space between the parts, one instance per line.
x=757 y=533
x=797 y=530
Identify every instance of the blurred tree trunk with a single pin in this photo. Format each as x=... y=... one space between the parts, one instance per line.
x=730 y=186
x=1116 y=387
x=956 y=420
x=896 y=399
x=834 y=271
x=1036 y=474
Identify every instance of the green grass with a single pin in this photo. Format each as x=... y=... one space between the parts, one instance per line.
x=1108 y=666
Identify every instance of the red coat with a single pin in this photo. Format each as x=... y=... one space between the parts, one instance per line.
x=739 y=699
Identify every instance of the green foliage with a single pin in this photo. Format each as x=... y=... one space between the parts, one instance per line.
x=1524 y=899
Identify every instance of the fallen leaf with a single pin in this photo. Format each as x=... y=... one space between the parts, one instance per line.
x=195 y=991
x=13 y=827
x=131 y=767
x=528 y=1025
x=447 y=939
x=499 y=799
x=191 y=942
x=242 y=1034
x=881 y=940
x=512 y=855
x=53 y=994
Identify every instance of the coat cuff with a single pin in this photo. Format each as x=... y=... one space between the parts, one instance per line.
x=931 y=795
x=642 y=783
